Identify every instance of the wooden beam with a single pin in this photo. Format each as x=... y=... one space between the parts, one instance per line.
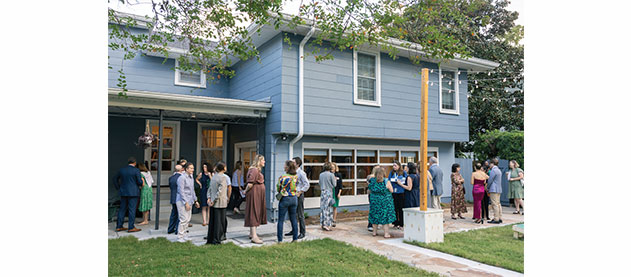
x=423 y=148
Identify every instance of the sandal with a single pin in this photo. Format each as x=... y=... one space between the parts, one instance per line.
x=461 y=217
x=387 y=236
x=453 y=217
x=516 y=212
x=257 y=241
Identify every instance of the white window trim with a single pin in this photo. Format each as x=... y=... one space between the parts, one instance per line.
x=440 y=91
x=178 y=82
x=353 y=200
x=356 y=100
x=176 y=147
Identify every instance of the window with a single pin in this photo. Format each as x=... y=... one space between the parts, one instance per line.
x=449 y=92
x=211 y=148
x=355 y=165
x=189 y=79
x=367 y=79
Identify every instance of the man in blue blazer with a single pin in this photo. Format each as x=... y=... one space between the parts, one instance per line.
x=128 y=182
x=174 y=220
x=437 y=181
x=495 y=190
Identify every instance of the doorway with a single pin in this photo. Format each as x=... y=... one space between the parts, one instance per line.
x=170 y=149
x=245 y=152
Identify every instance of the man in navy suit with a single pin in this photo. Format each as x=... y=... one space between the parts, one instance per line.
x=174 y=220
x=128 y=182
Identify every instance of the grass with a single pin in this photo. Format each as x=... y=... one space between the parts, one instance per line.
x=493 y=246
x=158 y=257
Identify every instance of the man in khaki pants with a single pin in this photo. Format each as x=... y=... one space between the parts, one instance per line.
x=495 y=190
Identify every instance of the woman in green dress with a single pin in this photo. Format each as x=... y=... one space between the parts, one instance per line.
x=381 y=202
x=515 y=188
x=146 y=196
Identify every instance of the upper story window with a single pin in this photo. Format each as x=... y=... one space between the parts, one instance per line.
x=448 y=97
x=189 y=79
x=367 y=79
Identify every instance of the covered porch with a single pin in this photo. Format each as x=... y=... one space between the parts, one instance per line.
x=196 y=128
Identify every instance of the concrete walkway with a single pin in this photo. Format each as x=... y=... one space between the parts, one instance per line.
x=356 y=234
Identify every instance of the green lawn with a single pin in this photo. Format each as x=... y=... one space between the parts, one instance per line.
x=325 y=257
x=493 y=246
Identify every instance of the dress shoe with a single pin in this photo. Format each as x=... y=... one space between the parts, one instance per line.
x=134 y=230
x=301 y=236
x=500 y=221
x=171 y=232
x=121 y=229
x=190 y=225
x=494 y=222
x=289 y=234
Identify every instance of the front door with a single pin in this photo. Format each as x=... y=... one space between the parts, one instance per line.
x=170 y=150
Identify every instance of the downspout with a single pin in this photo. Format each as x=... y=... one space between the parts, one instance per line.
x=273 y=186
x=301 y=90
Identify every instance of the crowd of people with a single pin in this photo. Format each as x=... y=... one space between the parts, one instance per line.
x=388 y=193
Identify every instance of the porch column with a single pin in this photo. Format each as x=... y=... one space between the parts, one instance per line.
x=159 y=170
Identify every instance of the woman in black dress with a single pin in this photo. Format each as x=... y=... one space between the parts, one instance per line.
x=337 y=191
x=203 y=180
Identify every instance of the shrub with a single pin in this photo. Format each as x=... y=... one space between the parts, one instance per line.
x=505 y=145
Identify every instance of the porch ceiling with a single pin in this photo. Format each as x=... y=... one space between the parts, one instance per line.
x=188 y=107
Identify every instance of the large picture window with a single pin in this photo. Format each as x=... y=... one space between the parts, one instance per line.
x=355 y=165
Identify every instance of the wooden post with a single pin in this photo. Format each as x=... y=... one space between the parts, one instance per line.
x=423 y=148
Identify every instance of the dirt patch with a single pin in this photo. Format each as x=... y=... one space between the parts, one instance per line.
x=341 y=217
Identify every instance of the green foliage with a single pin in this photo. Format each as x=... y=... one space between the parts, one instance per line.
x=493 y=246
x=486 y=30
x=506 y=145
x=214 y=31
x=344 y=211
x=306 y=215
x=128 y=256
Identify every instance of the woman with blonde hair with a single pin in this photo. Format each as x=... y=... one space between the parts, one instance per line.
x=372 y=174
x=515 y=188
x=381 y=202
x=255 y=210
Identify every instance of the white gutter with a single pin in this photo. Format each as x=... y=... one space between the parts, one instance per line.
x=301 y=92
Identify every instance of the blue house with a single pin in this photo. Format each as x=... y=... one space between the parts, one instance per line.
x=359 y=110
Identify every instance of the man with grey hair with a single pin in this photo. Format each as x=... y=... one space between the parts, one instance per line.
x=495 y=190
x=437 y=181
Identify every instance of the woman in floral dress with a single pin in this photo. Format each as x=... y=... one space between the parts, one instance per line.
x=381 y=202
x=457 y=193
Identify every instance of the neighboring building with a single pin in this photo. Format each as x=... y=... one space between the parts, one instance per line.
x=360 y=109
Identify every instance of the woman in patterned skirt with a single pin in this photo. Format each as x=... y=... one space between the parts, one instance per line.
x=457 y=193
x=327 y=185
x=381 y=202
x=146 y=196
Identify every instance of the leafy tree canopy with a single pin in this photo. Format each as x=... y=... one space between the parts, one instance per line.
x=215 y=31
x=496 y=99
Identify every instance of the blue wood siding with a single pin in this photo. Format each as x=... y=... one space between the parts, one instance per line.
x=329 y=98
x=255 y=80
x=151 y=74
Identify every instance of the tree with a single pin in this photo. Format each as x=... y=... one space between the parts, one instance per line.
x=214 y=31
x=506 y=145
x=496 y=99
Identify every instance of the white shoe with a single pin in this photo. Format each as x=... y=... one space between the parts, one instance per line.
x=181 y=240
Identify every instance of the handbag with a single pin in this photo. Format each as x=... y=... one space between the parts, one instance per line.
x=279 y=196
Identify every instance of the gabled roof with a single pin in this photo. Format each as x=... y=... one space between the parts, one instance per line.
x=268 y=31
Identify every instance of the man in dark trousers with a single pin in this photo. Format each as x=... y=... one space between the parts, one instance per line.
x=128 y=182
x=174 y=220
